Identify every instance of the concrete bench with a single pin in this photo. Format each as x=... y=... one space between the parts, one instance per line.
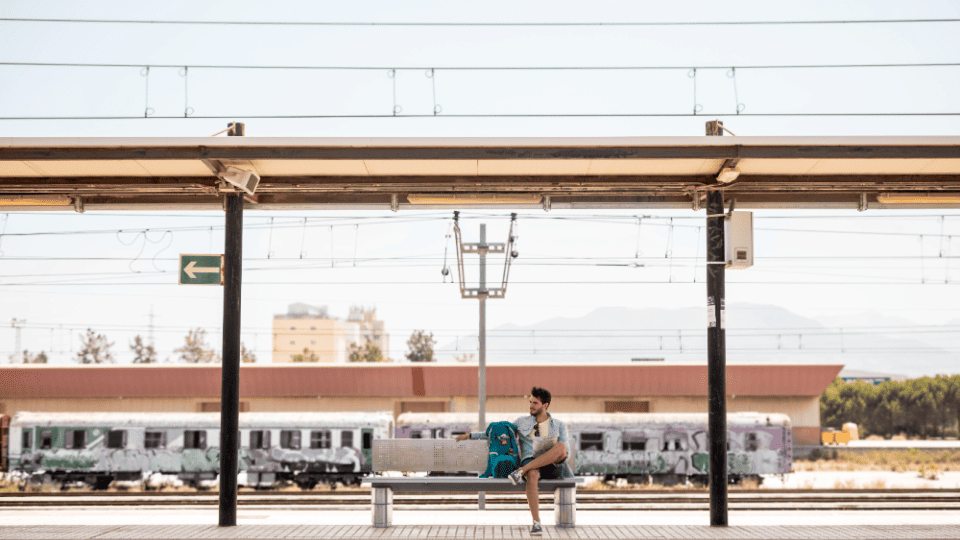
x=445 y=456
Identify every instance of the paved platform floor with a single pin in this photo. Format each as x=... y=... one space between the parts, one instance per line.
x=170 y=523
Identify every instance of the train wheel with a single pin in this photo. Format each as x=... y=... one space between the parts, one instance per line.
x=307 y=485
x=101 y=483
x=699 y=480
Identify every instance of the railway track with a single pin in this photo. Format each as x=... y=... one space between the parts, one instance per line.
x=586 y=500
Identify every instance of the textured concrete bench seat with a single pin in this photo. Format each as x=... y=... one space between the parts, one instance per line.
x=422 y=484
x=444 y=455
x=382 y=489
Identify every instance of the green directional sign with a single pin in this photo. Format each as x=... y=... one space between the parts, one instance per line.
x=201 y=269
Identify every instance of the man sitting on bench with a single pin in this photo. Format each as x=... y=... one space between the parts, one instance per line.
x=543 y=450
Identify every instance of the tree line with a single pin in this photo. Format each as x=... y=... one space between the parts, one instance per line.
x=924 y=407
x=96 y=349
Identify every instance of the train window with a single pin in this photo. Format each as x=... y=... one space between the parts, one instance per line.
x=117 y=438
x=320 y=439
x=290 y=438
x=27 y=442
x=155 y=439
x=46 y=439
x=260 y=439
x=346 y=439
x=591 y=441
x=671 y=444
x=195 y=439
x=367 y=440
x=634 y=441
x=752 y=443
x=416 y=434
x=75 y=438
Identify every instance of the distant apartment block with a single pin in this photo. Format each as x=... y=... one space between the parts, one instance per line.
x=326 y=338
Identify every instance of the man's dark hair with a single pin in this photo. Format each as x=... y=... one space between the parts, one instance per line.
x=541 y=393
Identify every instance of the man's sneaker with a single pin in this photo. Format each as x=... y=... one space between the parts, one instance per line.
x=516 y=477
x=536 y=530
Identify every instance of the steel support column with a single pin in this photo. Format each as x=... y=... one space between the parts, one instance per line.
x=230 y=368
x=716 y=352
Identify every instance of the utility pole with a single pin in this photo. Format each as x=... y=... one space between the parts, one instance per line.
x=17 y=353
x=230 y=368
x=151 y=326
x=716 y=350
x=482 y=293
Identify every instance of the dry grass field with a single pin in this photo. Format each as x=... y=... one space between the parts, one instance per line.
x=893 y=460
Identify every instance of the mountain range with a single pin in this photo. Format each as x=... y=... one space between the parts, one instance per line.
x=755 y=333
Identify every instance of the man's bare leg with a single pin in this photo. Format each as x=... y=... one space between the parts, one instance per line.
x=533 y=493
x=554 y=455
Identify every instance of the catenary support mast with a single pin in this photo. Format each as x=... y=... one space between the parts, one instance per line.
x=482 y=293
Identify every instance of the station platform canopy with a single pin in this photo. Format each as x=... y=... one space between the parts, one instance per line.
x=559 y=173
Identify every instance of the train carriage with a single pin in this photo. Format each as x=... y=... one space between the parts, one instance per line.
x=4 y=441
x=443 y=425
x=671 y=447
x=662 y=447
x=97 y=448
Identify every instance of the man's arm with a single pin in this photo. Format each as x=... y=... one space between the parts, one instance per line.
x=472 y=435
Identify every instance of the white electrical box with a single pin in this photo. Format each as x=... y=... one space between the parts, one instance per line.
x=738 y=239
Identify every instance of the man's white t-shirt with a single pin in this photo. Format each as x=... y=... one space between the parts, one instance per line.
x=545 y=428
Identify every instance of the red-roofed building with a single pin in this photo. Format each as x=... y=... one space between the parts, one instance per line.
x=663 y=387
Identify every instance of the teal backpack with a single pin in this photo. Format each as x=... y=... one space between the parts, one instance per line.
x=504 y=456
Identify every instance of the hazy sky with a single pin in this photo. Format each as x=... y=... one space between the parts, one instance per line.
x=571 y=262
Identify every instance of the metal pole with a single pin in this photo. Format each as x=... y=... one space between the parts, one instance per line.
x=230 y=369
x=17 y=353
x=482 y=390
x=716 y=353
x=482 y=393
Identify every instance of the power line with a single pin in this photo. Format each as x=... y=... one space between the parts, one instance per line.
x=489 y=115
x=483 y=24
x=392 y=283
x=540 y=333
x=479 y=68
x=543 y=259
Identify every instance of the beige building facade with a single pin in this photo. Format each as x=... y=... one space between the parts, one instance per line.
x=308 y=334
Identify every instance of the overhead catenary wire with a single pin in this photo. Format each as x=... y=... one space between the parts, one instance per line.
x=482 y=23
x=647 y=333
x=490 y=115
x=393 y=283
x=481 y=68
x=316 y=222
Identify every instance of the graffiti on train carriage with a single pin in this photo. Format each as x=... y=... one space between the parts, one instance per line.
x=676 y=449
x=632 y=444
x=306 y=448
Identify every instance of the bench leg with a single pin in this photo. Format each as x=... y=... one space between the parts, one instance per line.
x=382 y=504
x=565 y=507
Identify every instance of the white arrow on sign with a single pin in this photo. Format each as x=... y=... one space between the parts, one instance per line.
x=192 y=269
